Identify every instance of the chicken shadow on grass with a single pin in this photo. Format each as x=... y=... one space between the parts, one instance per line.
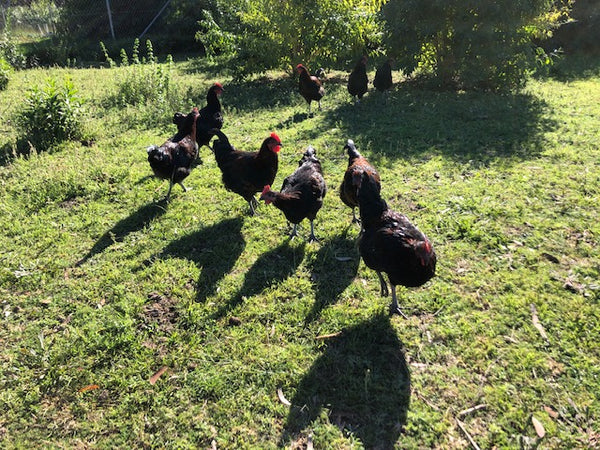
x=341 y=253
x=269 y=269
x=214 y=249
x=134 y=222
x=364 y=382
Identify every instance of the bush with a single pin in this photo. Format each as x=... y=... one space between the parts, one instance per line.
x=52 y=114
x=10 y=52
x=5 y=71
x=269 y=34
x=470 y=45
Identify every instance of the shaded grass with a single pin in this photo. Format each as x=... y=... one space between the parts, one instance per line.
x=102 y=284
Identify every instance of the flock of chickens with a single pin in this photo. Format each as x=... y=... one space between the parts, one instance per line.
x=388 y=243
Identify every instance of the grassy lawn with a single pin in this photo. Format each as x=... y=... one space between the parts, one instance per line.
x=102 y=284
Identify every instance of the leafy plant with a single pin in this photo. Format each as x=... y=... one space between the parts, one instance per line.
x=270 y=34
x=52 y=114
x=10 y=51
x=5 y=71
x=482 y=45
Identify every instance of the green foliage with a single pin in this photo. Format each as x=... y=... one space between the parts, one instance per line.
x=469 y=45
x=5 y=72
x=41 y=15
x=51 y=114
x=145 y=79
x=268 y=34
x=10 y=51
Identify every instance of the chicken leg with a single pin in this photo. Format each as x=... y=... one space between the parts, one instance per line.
x=312 y=237
x=394 y=308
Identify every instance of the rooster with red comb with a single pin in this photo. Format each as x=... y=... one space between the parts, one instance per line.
x=246 y=173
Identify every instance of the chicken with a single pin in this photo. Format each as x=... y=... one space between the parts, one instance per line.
x=310 y=87
x=173 y=160
x=383 y=77
x=246 y=173
x=357 y=166
x=301 y=194
x=210 y=116
x=358 y=81
x=389 y=243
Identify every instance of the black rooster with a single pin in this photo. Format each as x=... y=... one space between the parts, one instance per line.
x=358 y=81
x=210 y=117
x=357 y=166
x=173 y=160
x=391 y=244
x=310 y=87
x=301 y=194
x=383 y=77
x=246 y=173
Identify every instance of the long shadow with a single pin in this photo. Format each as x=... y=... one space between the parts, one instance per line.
x=363 y=380
x=214 y=249
x=135 y=222
x=270 y=268
x=415 y=121
x=334 y=269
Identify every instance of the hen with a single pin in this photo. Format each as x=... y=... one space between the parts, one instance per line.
x=383 y=77
x=301 y=194
x=246 y=173
x=173 y=160
x=358 y=81
x=210 y=116
x=357 y=166
x=390 y=243
x=310 y=87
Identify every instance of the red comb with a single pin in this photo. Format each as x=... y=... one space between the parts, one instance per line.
x=274 y=136
x=266 y=189
x=195 y=109
x=219 y=85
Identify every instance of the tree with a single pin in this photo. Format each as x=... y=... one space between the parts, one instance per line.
x=469 y=44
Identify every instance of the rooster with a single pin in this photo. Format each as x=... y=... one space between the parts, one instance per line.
x=173 y=160
x=246 y=173
x=383 y=77
x=358 y=81
x=310 y=87
x=357 y=166
x=301 y=194
x=390 y=243
x=210 y=116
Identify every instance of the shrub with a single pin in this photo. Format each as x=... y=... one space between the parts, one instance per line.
x=470 y=45
x=52 y=114
x=5 y=71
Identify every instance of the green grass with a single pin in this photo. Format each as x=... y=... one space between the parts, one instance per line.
x=103 y=284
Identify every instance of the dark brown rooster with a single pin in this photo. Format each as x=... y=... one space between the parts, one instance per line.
x=301 y=194
x=390 y=243
x=357 y=166
x=358 y=81
x=310 y=87
x=210 y=116
x=173 y=160
x=383 y=77
x=246 y=173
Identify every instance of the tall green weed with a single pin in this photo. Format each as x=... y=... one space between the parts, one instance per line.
x=52 y=114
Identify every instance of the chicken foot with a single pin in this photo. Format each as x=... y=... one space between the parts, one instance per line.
x=312 y=237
